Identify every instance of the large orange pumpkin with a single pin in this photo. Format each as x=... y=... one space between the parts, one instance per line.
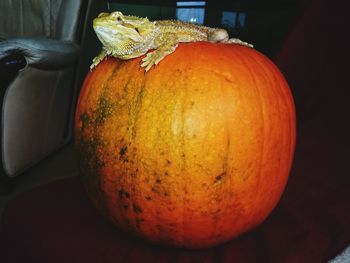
x=192 y=153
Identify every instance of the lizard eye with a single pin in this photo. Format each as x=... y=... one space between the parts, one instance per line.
x=119 y=18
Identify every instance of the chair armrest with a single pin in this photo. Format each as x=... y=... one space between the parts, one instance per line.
x=41 y=52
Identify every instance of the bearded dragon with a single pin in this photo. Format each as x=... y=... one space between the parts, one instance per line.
x=127 y=37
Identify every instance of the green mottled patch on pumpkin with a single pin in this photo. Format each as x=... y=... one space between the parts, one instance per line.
x=87 y=152
x=90 y=165
x=104 y=110
x=85 y=120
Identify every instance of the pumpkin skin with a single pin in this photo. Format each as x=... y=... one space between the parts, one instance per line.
x=191 y=154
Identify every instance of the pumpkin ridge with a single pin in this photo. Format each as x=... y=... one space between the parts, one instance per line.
x=135 y=113
x=183 y=183
x=288 y=100
x=263 y=133
x=225 y=174
x=285 y=114
x=285 y=95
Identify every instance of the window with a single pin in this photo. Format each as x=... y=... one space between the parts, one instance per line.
x=233 y=20
x=192 y=12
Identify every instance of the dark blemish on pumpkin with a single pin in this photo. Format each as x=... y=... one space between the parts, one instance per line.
x=85 y=119
x=158 y=181
x=133 y=174
x=125 y=206
x=162 y=153
x=154 y=190
x=218 y=199
x=122 y=153
x=204 y=185
x=216 y=211
x=219 y=177
x=186 y=191
x=148 y=198
x=123 y=150
x=166 y=194
x=137 y=209
x=123 y=194
x=168 y=162
x=204 y=213
x=166 y=174
x=183 y=155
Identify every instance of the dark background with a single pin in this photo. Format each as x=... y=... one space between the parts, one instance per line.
x=267 y=22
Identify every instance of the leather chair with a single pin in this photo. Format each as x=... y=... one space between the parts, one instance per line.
x=43 y=58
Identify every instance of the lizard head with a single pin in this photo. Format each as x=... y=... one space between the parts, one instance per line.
x=120 y=33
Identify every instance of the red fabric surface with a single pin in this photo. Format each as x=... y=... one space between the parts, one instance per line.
x=315 y=60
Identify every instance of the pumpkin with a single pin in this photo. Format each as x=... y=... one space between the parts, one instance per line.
x=192 y=153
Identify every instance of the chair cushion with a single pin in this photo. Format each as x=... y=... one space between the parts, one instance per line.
x=25 y=18
x=56 y=19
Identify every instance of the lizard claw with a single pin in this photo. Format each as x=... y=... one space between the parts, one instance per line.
x=94 y=64
x=151 y=59
x=148 y=61
x=239 y=42
x=96 y=60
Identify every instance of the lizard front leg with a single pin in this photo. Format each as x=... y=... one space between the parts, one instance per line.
x=166 y=48
x=96 y=60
